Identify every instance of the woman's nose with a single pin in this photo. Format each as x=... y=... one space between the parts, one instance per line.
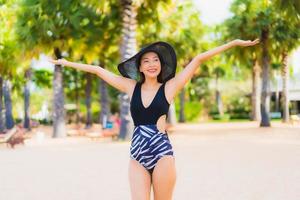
x=152 y=63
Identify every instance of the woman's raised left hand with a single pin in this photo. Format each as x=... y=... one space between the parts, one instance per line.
x=245 y=43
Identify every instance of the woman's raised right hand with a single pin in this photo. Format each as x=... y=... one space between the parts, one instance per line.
x=58 y=61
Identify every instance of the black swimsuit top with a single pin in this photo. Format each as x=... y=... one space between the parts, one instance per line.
x=158 y=107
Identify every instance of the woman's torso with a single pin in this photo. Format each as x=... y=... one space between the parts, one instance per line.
x=157 y=109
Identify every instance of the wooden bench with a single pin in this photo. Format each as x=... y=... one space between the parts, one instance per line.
x=95 y=132
x=104 y=133
x=101 y=132
x=113 y=133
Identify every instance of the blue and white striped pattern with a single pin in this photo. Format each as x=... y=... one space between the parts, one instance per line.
x=148 y=145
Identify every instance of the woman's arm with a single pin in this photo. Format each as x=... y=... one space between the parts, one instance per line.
x=177 y=83
x=119 y=82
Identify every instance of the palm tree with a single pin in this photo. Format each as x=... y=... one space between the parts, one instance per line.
x=265 y=95
x=88 y=100
x=256 y=94
x=241 y=25
x=28 y=74
x=8 y=104
x=53 y=30
x=261 y=20
x=219 y=72
x=104 y=100
x=128 y=48
x=2 y=127
x=8 y=52
x=287 y=36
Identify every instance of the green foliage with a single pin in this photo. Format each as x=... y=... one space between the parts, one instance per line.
x=250 y=18
x=198 y=89
x=239 y=107
x=114 y=106
x=192 y=110
x=8 y=45
x=74 y=81
x=182 y=28
x=42 y=78
x=243 y=24
x=225 y=117
x=286 y=35
x=219 y=72
x=291 y=7
x=100 y=44
x=49 y=24
x=37 y=98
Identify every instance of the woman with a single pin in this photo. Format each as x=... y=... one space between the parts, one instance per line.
x=149 y=79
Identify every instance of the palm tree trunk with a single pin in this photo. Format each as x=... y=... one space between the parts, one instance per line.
x=218 y=97
x=285 y=86
x=77 y=97
x=128 y=48
x=59 y=129
x=277 y=97
x=181 y=109
x=88 y=100
x=265 y=94
x=9 y=120
x=255 y=96
x=2 y=126
x=104 y=100
x=219 y=103
x=27 y=99
x=172 y=114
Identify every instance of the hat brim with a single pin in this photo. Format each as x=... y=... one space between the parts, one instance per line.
x=130 y=68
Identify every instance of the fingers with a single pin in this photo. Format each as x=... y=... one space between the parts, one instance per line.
x=256 y=41
x=251 y=43
x=54 y=61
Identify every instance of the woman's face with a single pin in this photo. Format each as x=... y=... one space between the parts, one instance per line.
x=150 y=65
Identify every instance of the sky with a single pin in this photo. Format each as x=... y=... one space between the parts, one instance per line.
x=216 y=11
x=213 y=11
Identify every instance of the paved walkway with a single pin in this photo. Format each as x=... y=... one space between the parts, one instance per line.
x=227 y=161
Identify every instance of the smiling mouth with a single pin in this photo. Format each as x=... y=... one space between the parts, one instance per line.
x=152 y=70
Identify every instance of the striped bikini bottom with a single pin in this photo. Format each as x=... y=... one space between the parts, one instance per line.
x=148 y=145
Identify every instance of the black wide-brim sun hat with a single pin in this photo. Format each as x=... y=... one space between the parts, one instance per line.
x=167 y=56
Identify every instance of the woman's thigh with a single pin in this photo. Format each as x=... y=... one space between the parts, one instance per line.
x=140 y=181
x=164 y=178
